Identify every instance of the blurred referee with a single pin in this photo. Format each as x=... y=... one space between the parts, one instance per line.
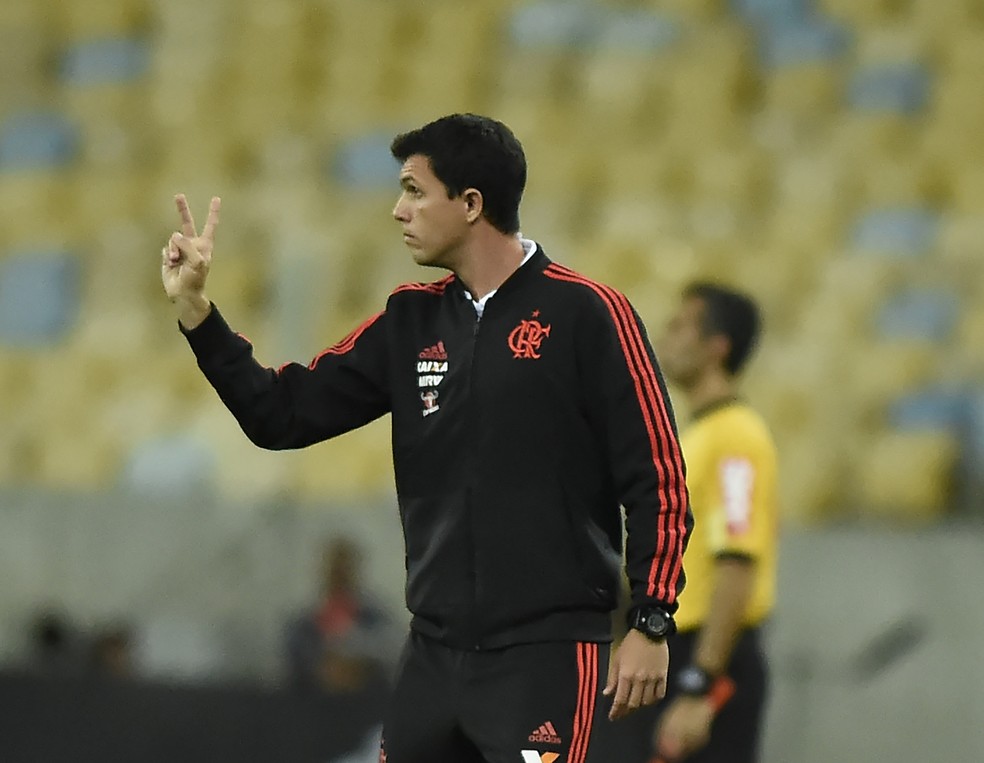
x=718 y=678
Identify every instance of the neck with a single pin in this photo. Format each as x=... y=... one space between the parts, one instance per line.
x=487 y=259
x=710 y=388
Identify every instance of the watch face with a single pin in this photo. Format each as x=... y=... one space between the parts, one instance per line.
x=656 y=624
x=692 y=681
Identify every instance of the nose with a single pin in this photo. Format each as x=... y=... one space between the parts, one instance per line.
x=400 y=212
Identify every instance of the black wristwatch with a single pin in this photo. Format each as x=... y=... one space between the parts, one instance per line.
x=694 y=681
x=652 y=621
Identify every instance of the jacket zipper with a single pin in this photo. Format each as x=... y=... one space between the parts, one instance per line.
x=474 y=625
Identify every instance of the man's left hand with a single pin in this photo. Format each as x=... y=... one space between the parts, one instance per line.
x=636 y=673
x=685 y=727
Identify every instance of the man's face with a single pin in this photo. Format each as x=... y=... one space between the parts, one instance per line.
x=683 y=350
x=433 y=224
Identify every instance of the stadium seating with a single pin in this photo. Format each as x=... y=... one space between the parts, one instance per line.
x=823 y=154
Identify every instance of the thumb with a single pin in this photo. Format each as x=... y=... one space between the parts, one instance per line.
x=189 y=251
x=612 y=674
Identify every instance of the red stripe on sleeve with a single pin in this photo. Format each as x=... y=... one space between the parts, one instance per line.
x=435 y=287
x=668 y=466
x=677 y=479
x=348 y=343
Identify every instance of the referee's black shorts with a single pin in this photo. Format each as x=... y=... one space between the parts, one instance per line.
x=736 y=731
x=532 y=703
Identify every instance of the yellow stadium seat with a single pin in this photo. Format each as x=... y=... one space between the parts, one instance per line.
x=970 y=339
x=812 y=489
x=907 y=476
x=25 y=53
x=102 y=18
x=33 y=206
x=696 y=10
x=740 y=175
x=962 y=54
x=20 y=447
x=623 y=91
x=447 y=31
x=709 y=86
x=961 y=237
x=891 y=43
x=944 y=19
x=886 y=370
x=66 y=463
x=894 y=182
x=848 y=289
x=805 y=92
x=73 y=452
x=35 y=16
x=857 y=137
x=17 y=380
x=780 y=278
x=355 y=465
x=864 y=13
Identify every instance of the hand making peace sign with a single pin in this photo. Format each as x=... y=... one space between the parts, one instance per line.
x=186 y=259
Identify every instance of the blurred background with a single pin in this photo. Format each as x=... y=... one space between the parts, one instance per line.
x=169 y=592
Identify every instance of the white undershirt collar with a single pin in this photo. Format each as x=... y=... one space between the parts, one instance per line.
x=529 y=247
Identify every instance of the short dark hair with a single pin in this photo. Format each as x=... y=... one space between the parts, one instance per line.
x=732 y=314
x=471 y=151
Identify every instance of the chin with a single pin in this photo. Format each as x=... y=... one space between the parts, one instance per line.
x=428 y=259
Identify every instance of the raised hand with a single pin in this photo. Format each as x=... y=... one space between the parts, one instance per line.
x=186 y=259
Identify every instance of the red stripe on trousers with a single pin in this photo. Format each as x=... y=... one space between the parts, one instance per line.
x=587 y=667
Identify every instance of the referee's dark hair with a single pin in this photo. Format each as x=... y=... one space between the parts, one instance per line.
x=731 y=314
x=471 y=151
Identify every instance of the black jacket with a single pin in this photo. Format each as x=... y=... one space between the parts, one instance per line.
x=515 y=440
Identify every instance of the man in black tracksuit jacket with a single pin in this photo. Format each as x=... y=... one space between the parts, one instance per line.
x=521 y=421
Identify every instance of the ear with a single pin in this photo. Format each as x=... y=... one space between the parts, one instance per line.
x=720 y=347
x=474 y=203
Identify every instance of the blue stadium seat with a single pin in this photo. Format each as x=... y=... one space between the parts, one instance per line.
x=919 y=314
x=936 y=408
x=797 y=41
x=900 y=88
x=365 y=163
x=636 y=31
x=107 y=61
x=39 y=297
x=554 y=24
x=37 y=140
x=177 y=464
x=772 y=10
x=900 y=232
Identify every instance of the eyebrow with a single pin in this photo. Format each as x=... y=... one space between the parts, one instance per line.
x=406 y=180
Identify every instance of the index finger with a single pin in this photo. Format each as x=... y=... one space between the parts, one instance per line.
x=621 y=698
x=187 y=221
x=208 y=232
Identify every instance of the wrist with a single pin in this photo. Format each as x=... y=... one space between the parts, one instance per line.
x=192 y=310
x=695 y=682
x=652 y=621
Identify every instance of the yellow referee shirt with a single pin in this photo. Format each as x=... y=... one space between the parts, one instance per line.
x=731 y=474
